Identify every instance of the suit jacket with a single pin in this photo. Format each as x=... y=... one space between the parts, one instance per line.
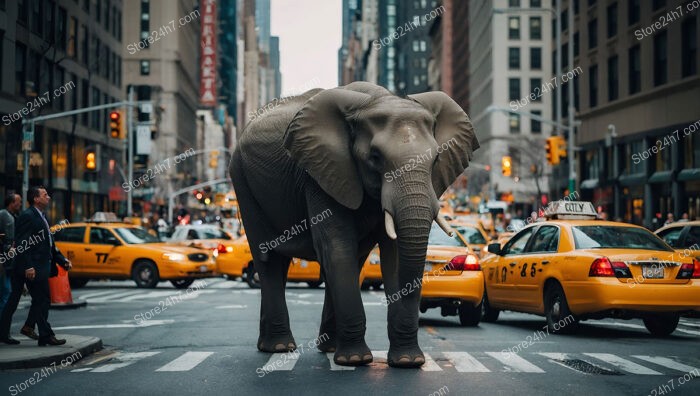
x=33 y=238
x=7 y=228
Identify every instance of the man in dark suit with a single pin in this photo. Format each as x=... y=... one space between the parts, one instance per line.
x=38 y=256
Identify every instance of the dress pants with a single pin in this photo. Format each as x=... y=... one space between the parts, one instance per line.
x=41 y=302
x=17 y=279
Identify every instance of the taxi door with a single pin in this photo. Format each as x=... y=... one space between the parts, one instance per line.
x=506 y=271
x=99 y=252
x=71 y=242
x=540 y=254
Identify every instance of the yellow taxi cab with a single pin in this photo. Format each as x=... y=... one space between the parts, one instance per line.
x=238 y=263
x=684 y=236
x=205 y=236
x=474 y=234
x=573 y=267
x=452 y=279
x=115 y=250
x=371 y=273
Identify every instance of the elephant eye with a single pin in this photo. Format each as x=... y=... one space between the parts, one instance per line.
x=375 y=159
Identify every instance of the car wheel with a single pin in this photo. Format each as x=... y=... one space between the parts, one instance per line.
x=364 y=286
x=662 y=325
x=560 y=320
x=314 y=284
x=145 y=274
x=488 y=314
x=77 y=283
x=182 y=283
x=252 y=277
x=377 y=285
x=469 y=315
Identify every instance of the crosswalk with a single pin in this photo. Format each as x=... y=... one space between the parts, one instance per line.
x=454 y=362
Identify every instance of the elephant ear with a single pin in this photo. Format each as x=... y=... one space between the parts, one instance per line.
x=454 y=129
x=318 y=139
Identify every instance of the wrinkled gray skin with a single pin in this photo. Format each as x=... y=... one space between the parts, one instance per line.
x=330 y=150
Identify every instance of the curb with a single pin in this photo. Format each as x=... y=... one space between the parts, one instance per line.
x=51 y=356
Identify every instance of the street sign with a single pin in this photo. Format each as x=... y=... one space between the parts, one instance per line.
x=143 y=140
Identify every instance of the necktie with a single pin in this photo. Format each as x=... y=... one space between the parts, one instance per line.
x=48 y=229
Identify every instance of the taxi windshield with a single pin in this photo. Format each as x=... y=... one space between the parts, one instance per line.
x=438 y=237
x=471 y=234
x=614 y=237
x=133 y=235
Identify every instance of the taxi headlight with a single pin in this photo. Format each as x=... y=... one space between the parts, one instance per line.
x=174 y=256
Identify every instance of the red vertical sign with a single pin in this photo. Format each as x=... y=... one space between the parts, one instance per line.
x=207 y=65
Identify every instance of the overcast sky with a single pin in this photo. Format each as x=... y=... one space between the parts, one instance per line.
x=310 y=34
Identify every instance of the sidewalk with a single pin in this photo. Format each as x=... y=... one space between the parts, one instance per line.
x=29 y=355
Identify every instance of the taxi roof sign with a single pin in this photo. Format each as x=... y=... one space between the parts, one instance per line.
x=572 y=210
x=104 y=217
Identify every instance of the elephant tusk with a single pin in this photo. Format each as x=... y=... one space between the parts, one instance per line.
x=389 y=225
x=445 y=227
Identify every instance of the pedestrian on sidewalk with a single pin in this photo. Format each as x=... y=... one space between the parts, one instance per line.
x=15 y=275
x=13 y=203
x=39 y=260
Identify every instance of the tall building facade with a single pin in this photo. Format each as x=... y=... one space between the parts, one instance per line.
x=57 y=56
x=413 y=45
x=512 y=68
x=165 y=71
x=228 y=56
x=647 y=76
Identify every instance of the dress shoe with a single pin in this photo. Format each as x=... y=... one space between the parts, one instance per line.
x=29 y=332
x=10 y=341
x=51 y=341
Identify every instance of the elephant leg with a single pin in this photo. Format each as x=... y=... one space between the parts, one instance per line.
x=275 y=332
x=402 y=315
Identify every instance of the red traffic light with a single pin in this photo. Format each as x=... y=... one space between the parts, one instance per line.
x=114 y=115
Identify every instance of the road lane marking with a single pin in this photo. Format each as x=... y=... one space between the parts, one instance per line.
x=430 y=364
x=234 y=306
x=634 y=326
x=115 y=296
x=147 y=323
x=514 y=363
x=690 y=324
x=94 y=294
x=666 y=362
x=125 y=359
x=281 y=362
x=465 y=363
x=623 y=364
x=337 y=367
x=186 y=362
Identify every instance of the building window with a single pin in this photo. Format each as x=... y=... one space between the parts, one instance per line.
x=592 y=33
x=591 y=3
x=22 y=12
x=60 y=103
x=96 y=120
x=660 y=59
x=576 y=7
x=535 y=125
x=145 y=20
x=565 y=55
x=576 y=40
x=689 y=46
x=514 y=89
x=50 y=14
x=20 y=69
x=514 y=123
x=633 y=8
x=514 y=58
x=513 y=3
x=656 y=4
x=613 y=79
x=37 y=22
x=593 y=86
x=536 y=58
x=535 y=3
x=72 y=37
x=98 y=11
x=536 y=89
x=635 y=70
x=514 y=28
x=85 y=102
x=61 y=29
x=564 y=20
x=535 y=28
x=84 y=44
x=612 y=20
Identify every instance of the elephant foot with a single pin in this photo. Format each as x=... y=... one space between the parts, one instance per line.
x=353 y=355
x=328 y=342
x=411 y=357
x=277 y=344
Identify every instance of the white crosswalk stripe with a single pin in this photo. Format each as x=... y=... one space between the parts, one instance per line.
x=463 y=362
x=515 y=363
x=623 y=364
x=186 y=362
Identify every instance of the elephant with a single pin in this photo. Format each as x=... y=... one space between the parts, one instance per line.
x=329 y=174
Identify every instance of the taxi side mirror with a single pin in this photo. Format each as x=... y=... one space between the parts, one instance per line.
x=494 y=248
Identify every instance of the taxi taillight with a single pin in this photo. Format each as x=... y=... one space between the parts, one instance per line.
x=689 y=271
x=604 y=267
x=464 y=262
x=222 y=249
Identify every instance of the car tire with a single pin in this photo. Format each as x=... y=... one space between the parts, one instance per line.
x=488 y=314
x=252 y=278
x=469 y=315
x=182 y=283
x=364 y=286
x=145 y=274
x=556 y=310
x=377 y=285
x=77 y=283
x=315 y=284
x=662 y=325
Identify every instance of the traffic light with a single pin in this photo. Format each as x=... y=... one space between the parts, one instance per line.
x=506 y=165
x=214 y=159
x=115 y=125
x=561 y=147
x=551 y=146
x=91 y=160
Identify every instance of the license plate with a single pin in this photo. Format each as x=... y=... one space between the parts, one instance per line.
x=203 y=268
x=653 y=272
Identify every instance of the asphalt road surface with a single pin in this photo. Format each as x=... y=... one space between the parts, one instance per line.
x=204 y=342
